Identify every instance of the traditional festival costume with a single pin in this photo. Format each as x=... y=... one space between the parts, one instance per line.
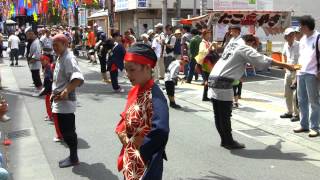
x=146 y=116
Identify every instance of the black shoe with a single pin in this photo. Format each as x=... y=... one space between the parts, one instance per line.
x=189 y=82
x=11 y=64
x=235 y=105
x=234 y=145
x=68 y=162
x=286 y=115
x=175 y=106
x=205 y=99
x=295 y=118
x=16 y=64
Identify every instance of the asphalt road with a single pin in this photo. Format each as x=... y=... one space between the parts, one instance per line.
x=193 y=149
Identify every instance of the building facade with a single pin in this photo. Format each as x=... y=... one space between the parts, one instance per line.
x=141 y=15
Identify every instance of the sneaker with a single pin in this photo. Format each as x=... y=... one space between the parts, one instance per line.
x=56 y=139
x=286 y=115
x=120 y=90
x=175 y=106
x=106 y=81
x=235 y=105
x=295 y=118
x=36 y=93
x=94 y=62
x=234 y=145
x=48 y=119
x=313 y=133
x=300 y=130
x=5 y=118
x=68 y=162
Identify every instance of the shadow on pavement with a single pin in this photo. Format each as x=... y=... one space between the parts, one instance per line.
x=255 y=100
x=248 y=109
x=97 y=171
x=82 y=144
x=187 y=109
x=271 y=152
x=212 y=175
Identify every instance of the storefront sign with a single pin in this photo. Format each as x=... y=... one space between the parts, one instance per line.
x=243 y=4
x=121 y=5
x=142 y=3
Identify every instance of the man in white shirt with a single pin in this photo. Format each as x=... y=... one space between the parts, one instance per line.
x=291 y=52
x=160 y=37
x=235 y=32
x=308 y=78
x=169 y=43
x=13 y=44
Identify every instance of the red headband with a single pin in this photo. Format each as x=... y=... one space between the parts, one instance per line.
x=136 y=58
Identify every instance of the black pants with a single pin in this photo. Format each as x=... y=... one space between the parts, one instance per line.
x=237 y=89
x=205 y=76
x=14 y=55
x=103 y=64
x=191 y=72
x=36 y=78
x=170 y=86
x=167 y=60
x=114 y=80
x=22 y=49
x=222 y=116
x=67 y=127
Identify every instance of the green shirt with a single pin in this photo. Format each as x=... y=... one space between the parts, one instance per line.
x=194 y=46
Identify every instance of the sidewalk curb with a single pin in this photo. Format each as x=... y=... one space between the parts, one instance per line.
x=26 y=155
x=287 y=136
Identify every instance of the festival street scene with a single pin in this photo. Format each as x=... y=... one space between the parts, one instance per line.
x=159 y=90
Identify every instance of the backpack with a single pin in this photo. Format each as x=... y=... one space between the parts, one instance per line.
x=317 y=52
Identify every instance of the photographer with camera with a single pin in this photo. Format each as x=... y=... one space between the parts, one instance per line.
x=291 y=51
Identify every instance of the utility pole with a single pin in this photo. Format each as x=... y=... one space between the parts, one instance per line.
x=178 y=2
x=109 y=4
x=164 y=12
x=194 y=8
x=203 y=7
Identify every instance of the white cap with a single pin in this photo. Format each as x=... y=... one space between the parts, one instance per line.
x=100 y=28
x=158 y=25
x=150 y=31
x=289 y=31
x=144 y=36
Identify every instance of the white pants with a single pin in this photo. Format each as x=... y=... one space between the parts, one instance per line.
x=290 y=94
x=159 y=69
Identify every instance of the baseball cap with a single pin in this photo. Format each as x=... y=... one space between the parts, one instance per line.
x=150 y=31
x=158 y=25
x=289 y=31
x=235 y=26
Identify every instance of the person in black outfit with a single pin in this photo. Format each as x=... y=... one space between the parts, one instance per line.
x=22 y=45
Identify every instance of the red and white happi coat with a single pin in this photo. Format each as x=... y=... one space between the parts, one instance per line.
x=135 y=122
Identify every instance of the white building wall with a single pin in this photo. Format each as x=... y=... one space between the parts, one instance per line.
x=157 y=4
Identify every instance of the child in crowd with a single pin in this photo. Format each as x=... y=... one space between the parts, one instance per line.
x=47 y=90
x=171 y=79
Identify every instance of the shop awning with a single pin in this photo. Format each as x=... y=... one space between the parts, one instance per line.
x=272 y=22
x=100 y=13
